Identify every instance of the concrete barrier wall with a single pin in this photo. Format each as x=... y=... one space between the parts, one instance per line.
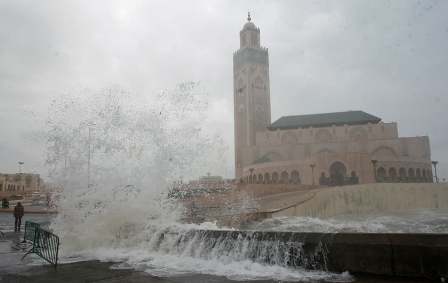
x=367 y=198
x=403 y=255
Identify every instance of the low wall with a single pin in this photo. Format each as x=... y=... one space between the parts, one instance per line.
x=367 y=198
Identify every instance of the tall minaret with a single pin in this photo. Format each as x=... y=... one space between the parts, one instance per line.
x=252 y=107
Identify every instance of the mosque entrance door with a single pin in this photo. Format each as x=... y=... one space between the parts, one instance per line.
x=338 y=172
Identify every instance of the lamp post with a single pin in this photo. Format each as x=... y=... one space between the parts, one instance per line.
x=434 y=163
x=312 y=171
x=374 y=162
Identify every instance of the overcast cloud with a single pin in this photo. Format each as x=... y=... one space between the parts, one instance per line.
x=388 y=58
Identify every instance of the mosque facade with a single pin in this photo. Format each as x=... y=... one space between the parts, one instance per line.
x=322 y=149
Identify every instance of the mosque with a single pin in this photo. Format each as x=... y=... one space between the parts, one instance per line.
x=320 y=149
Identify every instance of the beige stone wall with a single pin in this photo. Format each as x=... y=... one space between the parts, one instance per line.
x=354 y=146
x=332 y=134
x=379 y=197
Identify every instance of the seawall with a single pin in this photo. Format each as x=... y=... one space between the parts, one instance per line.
x=401 y=255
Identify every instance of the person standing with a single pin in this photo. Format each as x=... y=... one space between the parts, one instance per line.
x=18 y=214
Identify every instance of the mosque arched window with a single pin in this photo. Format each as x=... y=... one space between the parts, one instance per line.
x=381 y=173
x=295 y=177
x=393 y=173
x=284 y=177
x=267 y=178
x=260 y=178
x=274 y=177
x=402 y=173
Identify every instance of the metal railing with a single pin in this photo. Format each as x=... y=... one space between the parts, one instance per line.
x=30 y=228
x=45 y=243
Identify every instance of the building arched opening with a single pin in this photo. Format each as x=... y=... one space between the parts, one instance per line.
x=338 y=172
x=411 y=174
x=418 y=174
x=381 y=174
x=393 y=173
x=284 y=177
x=267 y=178
x=260 y=178
x=295 y=177
x=275 y=178
x=402 y=174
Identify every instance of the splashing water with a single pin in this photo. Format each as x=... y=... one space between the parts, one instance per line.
x=116 y=156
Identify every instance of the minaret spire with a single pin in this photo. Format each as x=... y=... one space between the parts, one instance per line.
x=248 y=17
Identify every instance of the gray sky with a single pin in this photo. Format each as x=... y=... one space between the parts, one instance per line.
x=388 y=58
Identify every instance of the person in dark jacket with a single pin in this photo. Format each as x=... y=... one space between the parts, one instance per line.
x=18 y=214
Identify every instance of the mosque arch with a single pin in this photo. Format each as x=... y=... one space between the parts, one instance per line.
x=411 y=173
x=418 y=173
x=338 y=172
x=381 y=173
x=393 y=172
x=267 y=178
x=402 y=173
x=250 y=179
x=274 y=177
x=260 y=178
x=295 y=177
x=284 y=177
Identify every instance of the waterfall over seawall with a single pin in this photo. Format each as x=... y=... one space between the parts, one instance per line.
x=311 y=254
x=368 y=198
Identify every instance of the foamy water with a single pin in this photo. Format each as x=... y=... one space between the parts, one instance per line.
x=180 y=250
